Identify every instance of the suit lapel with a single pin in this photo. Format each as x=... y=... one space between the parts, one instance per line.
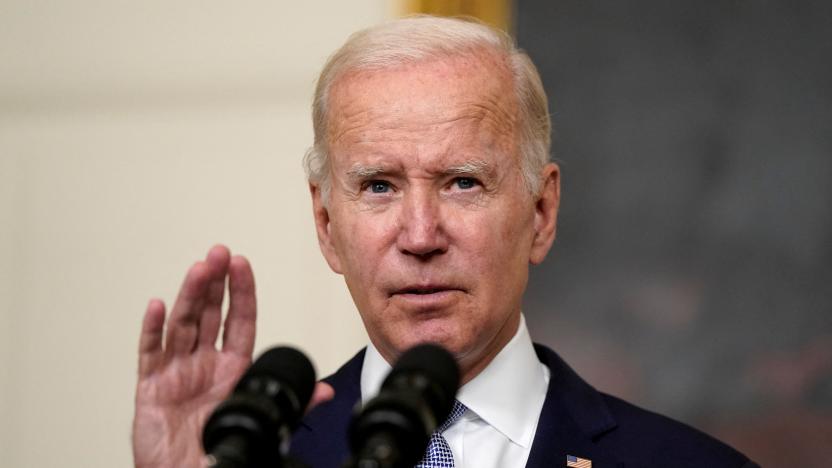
x=573 y=419
x=321 y=441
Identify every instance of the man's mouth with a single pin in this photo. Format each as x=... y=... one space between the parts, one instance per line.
x=417 y=290
x=422 y=291
x=427 y=295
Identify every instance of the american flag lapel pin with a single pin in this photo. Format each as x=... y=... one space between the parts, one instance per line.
x=577 y=462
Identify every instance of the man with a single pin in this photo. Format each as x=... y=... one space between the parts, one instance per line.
x=432 y=192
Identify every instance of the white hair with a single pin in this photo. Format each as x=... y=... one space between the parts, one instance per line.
x=413 y=39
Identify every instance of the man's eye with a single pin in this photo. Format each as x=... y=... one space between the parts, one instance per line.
x=379 y=186
x=465 y=183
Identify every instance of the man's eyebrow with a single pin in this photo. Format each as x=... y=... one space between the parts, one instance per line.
x=360 y=171
x=475 y=167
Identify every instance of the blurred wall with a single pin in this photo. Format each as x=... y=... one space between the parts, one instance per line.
x=693 y=264
x=133 y=136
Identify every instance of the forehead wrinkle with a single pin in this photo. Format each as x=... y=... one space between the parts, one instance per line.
x=370 y=124
x=347 y=122
x=485 y=114
x=494 y=114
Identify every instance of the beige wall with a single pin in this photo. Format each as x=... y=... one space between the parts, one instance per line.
x=133 y=136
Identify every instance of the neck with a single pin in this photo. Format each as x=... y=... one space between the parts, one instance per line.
x=472 y=368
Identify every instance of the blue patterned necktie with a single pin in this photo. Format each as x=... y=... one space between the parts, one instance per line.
x=438 y=454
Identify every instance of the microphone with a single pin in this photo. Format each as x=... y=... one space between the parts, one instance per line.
x=394 y=428
x=252 y=428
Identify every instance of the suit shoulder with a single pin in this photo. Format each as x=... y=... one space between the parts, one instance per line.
x=650 y=439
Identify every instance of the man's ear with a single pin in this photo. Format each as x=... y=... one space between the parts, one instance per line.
x=546 y=214
x=322 y=225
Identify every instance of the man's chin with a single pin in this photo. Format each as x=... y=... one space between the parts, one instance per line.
x=440 y=330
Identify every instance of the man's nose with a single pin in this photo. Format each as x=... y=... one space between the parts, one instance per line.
x=421 y=227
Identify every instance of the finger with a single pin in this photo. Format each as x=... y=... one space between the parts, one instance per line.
x=240 y=326
x=209 y=322
x=150 y=341
x=323 y=392
x=183 y=324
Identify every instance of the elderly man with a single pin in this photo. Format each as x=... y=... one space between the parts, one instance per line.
x=432 y=192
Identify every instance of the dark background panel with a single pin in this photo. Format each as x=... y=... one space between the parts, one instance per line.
x=692 y=273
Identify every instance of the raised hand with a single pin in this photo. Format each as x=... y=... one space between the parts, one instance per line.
x=182 y=374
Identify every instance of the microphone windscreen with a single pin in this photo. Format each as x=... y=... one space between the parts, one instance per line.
x=437 y=365
x=252 y=426
x=287 y=365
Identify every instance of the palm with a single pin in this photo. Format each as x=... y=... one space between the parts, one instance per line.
x=181 y=382
x=178 y=401
x=207 y=375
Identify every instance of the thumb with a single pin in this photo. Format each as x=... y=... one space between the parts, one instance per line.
x=323 y=392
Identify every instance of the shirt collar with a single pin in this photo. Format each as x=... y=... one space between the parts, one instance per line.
x=508 y=394
x=373 y=372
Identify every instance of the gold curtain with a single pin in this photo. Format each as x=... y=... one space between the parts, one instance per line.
x=494 y=12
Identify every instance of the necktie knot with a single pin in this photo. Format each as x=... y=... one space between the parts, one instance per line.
x=456 y=412
x=438 y=453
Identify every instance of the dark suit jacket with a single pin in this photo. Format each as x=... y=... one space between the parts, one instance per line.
x=576 y=420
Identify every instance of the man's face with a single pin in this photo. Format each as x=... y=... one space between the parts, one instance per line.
x=428 y=217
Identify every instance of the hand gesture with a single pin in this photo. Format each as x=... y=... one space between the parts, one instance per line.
x=182 y=375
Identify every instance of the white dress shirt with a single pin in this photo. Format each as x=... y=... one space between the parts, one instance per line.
x=504 y=403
